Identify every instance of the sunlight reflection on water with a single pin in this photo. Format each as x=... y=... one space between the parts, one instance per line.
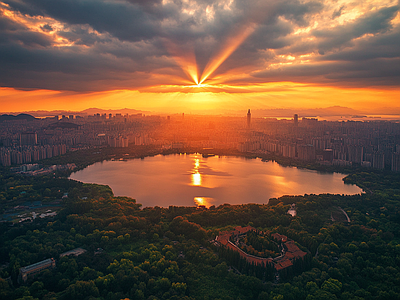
x=188 y=179
x=203 y=201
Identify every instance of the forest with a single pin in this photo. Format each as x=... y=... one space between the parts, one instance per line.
x=168 y=253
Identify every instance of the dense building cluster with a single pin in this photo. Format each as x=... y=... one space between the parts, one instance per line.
x=371 y=144
x=25 y=141
x=26 y=154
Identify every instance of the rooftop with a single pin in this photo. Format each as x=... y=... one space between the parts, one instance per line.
x=75 y=252
x=42 y=263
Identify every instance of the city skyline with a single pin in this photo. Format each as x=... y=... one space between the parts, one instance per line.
x=200 y=56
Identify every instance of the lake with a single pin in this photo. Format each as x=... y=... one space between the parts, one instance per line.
x=191 y=179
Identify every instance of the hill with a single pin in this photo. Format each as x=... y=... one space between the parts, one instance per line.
x=17 y=117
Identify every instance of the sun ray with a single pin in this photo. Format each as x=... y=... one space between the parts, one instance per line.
x=185 y=59
x=231 y=44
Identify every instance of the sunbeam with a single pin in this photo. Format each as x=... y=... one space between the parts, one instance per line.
x=231 y=44
x=185 y=59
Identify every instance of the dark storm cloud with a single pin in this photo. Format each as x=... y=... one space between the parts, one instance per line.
x=80 y=35
x=124 y=21
x=346 y=60
x=372 y=23
x=383 y=46
x=9 y=25
x=264 y=13
x=375 y=72
x=136 y=52
x=47 y=28
x=31 y=39
x=297 y=11
x=145 y=2
x=100 y=44
x=13 y=32
x=75 y=61
x=338 y=12
x=81 y=71
x=131 y=22
x=23 y=7
x=271 y=36
x=48 y=60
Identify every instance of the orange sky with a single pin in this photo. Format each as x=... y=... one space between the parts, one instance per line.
x=200 y=56
x=368 y=101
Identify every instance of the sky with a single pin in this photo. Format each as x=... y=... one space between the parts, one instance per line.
x=201 y=56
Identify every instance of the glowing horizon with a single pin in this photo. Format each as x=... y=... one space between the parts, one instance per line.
x=197 y=100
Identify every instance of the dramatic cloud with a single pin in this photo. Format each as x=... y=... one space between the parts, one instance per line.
x=102 y=45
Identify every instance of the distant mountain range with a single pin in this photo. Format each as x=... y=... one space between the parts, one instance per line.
x=256 y=113
x=17 y=117
x=315 y=112
x=124 y=111
x=89 y=111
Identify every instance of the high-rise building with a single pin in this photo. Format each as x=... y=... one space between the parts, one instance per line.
x=327 y=155
x=296 y=120
x=289 y=150
x=306 y=152
x=5 y=158
x=28 y=138
x=378 y=160
x=396 y=162
x=248 y=118
x=355 y=153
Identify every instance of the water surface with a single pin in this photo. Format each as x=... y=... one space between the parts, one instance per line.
x=190 y=179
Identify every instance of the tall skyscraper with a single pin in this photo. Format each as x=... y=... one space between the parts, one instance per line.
x=248 y=118
x=296 y=119
x=28 y=138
